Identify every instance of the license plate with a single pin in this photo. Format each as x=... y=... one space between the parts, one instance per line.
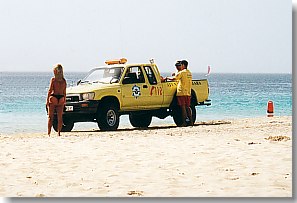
x=69 y=108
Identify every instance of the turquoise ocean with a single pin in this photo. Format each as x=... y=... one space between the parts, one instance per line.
x=23 y=95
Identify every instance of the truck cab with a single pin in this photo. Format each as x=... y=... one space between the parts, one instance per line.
x=118 y=88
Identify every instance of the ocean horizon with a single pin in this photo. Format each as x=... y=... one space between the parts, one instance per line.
x=232 y=95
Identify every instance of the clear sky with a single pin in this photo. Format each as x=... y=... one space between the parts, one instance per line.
x=241 y=36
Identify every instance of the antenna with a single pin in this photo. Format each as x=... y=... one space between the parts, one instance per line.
x=208 y=70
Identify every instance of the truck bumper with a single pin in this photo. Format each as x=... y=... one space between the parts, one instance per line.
x=206 y=103
x=81 y=111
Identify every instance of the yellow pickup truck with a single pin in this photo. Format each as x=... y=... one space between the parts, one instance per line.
x=118 y=88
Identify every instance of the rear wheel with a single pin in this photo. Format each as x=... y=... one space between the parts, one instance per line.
x=140 y=120
x=193 y=109
x=108 y=117
x=67 y=125
x=177 y=115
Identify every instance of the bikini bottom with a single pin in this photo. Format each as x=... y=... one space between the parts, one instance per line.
x=57 y=96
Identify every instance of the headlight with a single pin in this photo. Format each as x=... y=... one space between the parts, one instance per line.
x=88 y=96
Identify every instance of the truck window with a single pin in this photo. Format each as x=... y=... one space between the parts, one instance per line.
x=103 y=75
x=134 y=74
x=150 y=75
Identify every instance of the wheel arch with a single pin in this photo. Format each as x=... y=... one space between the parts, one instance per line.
x=194 y=99
x=110 y=99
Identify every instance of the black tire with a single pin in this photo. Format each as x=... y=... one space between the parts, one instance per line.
x=66 y=127
x=108 y=117
x=193 y=108
x=177 y=115
x=140 y=120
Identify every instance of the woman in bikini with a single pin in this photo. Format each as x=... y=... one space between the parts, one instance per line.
x=56 y=98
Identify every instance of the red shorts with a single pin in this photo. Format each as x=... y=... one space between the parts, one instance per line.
x=184 y=100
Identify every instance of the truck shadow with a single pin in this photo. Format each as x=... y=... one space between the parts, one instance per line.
x=160 y=127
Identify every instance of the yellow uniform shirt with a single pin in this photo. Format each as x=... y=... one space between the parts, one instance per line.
x=184 y=85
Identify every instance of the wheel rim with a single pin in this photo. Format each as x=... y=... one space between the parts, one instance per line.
x=111 y=118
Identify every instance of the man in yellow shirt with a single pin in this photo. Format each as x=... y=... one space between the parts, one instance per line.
x=184 y=86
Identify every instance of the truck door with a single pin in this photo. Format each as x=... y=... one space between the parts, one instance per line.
x=133 y=88
x=154 y=96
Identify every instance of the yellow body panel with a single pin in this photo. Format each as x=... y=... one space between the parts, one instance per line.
x=140 y=96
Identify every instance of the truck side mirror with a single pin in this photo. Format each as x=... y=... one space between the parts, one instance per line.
x=114 y=80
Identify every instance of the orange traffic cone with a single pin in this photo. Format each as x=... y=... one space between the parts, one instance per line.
x=270 y=109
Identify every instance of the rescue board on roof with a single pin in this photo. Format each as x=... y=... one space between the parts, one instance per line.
x=116 y=61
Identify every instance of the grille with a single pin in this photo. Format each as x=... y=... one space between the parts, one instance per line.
x=76 y=108
x=72 y=98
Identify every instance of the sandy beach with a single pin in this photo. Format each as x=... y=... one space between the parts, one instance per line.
x=223 y=158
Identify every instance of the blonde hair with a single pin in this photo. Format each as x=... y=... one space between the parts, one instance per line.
x=58 y=72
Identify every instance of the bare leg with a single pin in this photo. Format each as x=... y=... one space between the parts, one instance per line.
x=49 y=126
x=60 y=118
x=51 y=109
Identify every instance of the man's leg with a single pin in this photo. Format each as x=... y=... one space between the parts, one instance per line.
x=184 y=115
x=189 y=110
x=181 y=101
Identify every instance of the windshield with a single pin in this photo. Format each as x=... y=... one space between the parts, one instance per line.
x=104 y=75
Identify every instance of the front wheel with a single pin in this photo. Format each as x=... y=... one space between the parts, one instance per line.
x=108 y=117
x=67 y=125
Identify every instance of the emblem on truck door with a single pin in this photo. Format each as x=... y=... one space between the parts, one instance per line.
x=136 y=91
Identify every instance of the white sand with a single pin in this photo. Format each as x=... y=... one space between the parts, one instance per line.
x=234 y=158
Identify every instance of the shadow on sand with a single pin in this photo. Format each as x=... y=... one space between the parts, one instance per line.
x=157 y=127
